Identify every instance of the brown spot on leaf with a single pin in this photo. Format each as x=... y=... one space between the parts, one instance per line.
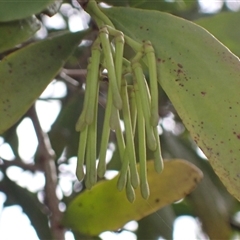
x=180 y=65
x=179 y=71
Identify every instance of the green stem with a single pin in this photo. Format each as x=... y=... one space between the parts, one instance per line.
x=129 y=136
x=81 y=123
x=105 y=136
x=81 y=153
x=94 y=10
x=158 y=161
x=117 y=101
x=142 y=153
x=143 y=99
x=148 y=48
x=92 y=83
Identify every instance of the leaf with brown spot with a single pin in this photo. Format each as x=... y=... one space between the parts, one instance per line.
x=211 y=69
x=25 y=73
x=15 y=32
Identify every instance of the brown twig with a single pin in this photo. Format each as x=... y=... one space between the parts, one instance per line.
x=19 y=163
x=73 y=76
x=48 y=165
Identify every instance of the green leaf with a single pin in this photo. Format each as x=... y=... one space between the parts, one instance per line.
x=201 y=78
x=25 y=73
x=15 y=10
x=224 y=26
x=15 y=32
x=105 y=208
x=162 y=5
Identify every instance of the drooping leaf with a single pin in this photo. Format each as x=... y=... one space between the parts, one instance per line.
x=15 y=10
x=25 y=73
x=224 y=26
x=15 y=32
x=105 y=208
x=202 y=79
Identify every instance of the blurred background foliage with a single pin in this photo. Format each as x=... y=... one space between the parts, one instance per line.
x=216 y=212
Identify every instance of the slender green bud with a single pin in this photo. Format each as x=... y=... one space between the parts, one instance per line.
x=81 y=154
x=150 y=54
x=103 y=35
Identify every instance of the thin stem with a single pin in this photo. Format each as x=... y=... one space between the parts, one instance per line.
x=19 y=163
x=48 y=165
x=103 y=35
x=130 y=148
x=93 y=9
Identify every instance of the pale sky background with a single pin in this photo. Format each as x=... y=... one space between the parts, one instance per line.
x=14 y=224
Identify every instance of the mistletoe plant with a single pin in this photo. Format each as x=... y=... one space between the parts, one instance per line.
x=128 y=95
x=134 y=51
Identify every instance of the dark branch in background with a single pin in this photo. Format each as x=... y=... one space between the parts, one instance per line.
x=47 y=162
x=235 y=224
x=19 y=163
x=83 y=3
x=75 y=72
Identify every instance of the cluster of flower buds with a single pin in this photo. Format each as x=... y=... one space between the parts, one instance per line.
x=129 y=97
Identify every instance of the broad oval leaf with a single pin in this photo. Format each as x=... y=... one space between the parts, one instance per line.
x=15 y=10
x=25 y=73
x=162 y=5
x=15 y=32
x=202 y=79
x=222 y=25
x=105 y=208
